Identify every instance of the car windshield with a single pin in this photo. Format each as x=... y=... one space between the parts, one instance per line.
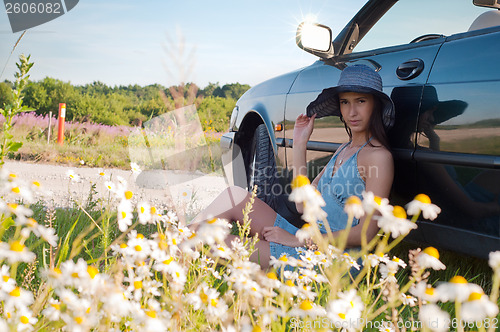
x=409 y=19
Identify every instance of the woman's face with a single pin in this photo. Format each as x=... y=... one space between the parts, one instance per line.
x=357 y=109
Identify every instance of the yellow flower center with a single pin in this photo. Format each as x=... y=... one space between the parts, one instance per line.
x=32 y=222
x=13 y=206
x=151 y=313
x=92 y=271
x=272 y=275
x=431 y=251
x=101 y=173
x=124 y=214
x=12 y=175
x=56 y=306
x=203 y=297
x=5 y=278
x=283 y=258
x=138 y=284
x=290 y=283
x=341 y=315
x=423 y=198
x=139 y=236
x=300 y=181
x=168 y=261
x=123 y=245
x=153 y=210
x=458 y=280
x=214 y=302
x=79 y=320
x=378 y=200
x=25 y=320
x=16 y=190
x=138 y=248
x=16 y=292
x=129 y=194
x=474 y=296
x=306 y=305
x=353 y=200
x=143 y=209
x=257 y=329
x=399 y=212
x=17 y=246
x=36 y=184
x=429 y=291
x=74 y=275
x=212 y=221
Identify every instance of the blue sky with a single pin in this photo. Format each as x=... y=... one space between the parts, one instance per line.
x=124 y=42
x=121 y=42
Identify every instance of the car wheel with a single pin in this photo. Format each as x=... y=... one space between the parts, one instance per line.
x=261 y=166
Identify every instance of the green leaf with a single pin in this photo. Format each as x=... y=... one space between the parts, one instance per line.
x=14 y=146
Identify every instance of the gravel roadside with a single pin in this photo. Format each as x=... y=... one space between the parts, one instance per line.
x=181 y=191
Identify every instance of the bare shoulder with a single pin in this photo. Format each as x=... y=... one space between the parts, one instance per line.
x=377 y=156
x=376 y=167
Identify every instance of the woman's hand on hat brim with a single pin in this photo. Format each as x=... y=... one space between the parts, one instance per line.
x=303 y=128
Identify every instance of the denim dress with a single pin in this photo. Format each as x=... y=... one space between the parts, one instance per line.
x=335 y=188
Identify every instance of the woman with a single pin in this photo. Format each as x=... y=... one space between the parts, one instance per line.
x=362 y=164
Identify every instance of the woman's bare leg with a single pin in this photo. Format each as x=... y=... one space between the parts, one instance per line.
x=230 y=204
x=262 y=254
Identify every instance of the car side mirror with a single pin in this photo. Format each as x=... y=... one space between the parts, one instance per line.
x=487 y=3
x=316 y=39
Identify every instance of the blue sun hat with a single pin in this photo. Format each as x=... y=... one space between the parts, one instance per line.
x=356 y=78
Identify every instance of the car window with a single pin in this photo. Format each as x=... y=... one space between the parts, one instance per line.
x=409 y=19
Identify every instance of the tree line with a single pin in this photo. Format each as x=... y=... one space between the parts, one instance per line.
x=128 y=105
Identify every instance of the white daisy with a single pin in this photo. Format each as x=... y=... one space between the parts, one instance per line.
x=124 y=215
x=434 y=318
x=494 y=261
x=396 y=223
x=144 y=212
x=345 y=312
x=429 y=258
x=307 y=308
x=136 y=169
x=372 y=203
x=478 y=307
x=425 y=292
x=422 y=203
x=457 y=289
x=15 y=251
x=354 y=206
x=72 y=175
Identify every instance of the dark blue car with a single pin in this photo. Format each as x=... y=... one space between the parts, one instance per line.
x=445 y=85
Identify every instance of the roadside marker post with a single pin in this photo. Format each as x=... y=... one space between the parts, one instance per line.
x=60 y=129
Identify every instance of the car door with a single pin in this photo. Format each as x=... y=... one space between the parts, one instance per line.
x=404 y=70
x=458 y=143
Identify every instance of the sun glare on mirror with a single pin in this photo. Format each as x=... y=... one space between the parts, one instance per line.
x=315 y=37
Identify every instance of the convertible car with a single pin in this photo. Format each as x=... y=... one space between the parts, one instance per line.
x=439 y=63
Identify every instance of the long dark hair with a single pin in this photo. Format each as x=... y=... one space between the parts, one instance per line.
x=377 y=129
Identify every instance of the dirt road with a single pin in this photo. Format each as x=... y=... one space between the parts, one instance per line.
x=163 y=189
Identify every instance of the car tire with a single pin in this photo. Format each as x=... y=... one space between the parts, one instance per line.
x=261 y=166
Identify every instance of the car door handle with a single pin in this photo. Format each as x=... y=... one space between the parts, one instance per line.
x=410 y=69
